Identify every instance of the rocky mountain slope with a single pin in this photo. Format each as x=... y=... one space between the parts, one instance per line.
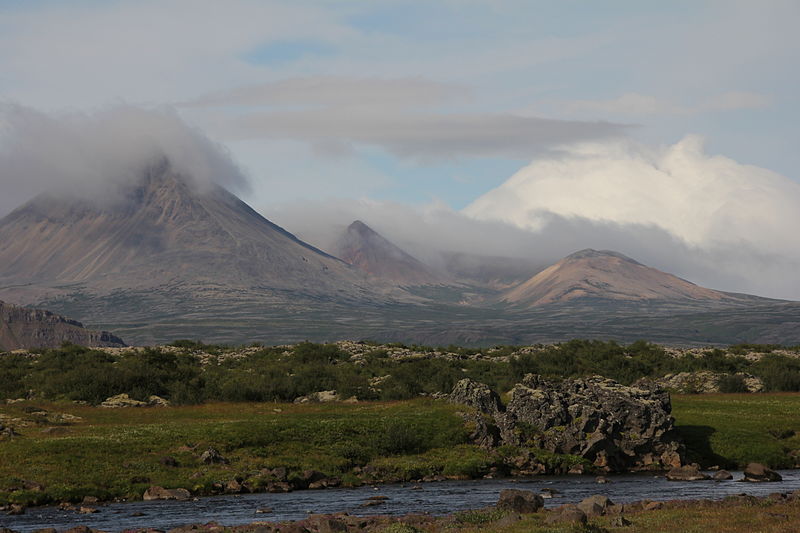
x=161 y=231
x=34 y=328
x=607 y=275
x=367 y=250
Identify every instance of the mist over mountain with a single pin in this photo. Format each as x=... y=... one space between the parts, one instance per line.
x=365 y=249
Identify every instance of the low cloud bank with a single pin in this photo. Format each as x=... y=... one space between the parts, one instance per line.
x=708 y=219
x=90 y=154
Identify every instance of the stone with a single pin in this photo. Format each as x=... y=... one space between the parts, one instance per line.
x=520 y=501
x=620 y=521
x=652 y=506
x=87 y=510
x=686 y=473
x=722 y=475
x=160 y=493
x=601 y=480
x=121 y=400
x=212 y=456
x=576 y=470
x=169 y=461
x=157 y=401
x=594 y=505
x=16 y=509
x=486 y=407
x=757 y=472
x=569 y=514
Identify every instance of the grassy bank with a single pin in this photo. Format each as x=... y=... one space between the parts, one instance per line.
x=118 y=453
x=733 y=429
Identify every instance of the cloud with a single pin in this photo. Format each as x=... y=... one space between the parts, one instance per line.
x=96 y=151
x=336 y=91
x=641 y=104
x=433 y=232
x=709 y=203
x=392 y=114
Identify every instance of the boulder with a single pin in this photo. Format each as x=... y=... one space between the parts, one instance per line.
x=160 y=493
x=722 y=475
x=686 y=473
x=594 y=505
x=157 y=401
x=569 y=514
x=212 y=456
x=520 y=501
x=121 y=400
x=757 y=472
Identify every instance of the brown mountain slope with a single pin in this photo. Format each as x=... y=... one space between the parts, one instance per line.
x=370 y=252
x=34 y=328
x=162 y=232
x=609 y=276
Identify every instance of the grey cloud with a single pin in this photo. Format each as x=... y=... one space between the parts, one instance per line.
x=409 y=117
x=419 y=134
x=91 y=153
x=336 y=91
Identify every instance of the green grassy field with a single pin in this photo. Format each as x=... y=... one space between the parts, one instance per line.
x=733 y=429
x=116 y=453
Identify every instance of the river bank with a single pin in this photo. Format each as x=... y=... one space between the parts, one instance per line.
x=459 y=505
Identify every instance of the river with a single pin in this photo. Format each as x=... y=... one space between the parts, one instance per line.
x=434 y=498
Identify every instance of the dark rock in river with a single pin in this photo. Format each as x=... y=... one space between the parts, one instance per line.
x=520 y=501
x=686 y=473
x=617 y=428
x=722 y=475
x=757 y=472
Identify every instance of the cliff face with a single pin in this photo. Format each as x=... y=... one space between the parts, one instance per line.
x=35 y=328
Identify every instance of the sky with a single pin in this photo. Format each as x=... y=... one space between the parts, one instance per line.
x=666 y=129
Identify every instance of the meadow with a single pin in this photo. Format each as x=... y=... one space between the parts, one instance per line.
x=119 y=453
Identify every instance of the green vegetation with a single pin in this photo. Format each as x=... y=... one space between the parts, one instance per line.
x=262 y=374
x=732 y=430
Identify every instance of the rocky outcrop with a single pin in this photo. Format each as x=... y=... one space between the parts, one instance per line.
x=22 y=328
x=486 y=410
x=123 y=400
x=705 y=381
x=616 y=428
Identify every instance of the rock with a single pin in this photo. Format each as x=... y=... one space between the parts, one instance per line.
x=157 y=401
x=278 y=487
x=90 y=500
x=601 y=480
x=323 y=396
x=160 y=493
x=87 y=510
x=722 y=475
x=652 y=506
x=520 y=501
x=169 y=461
x=487 y=409
x=617 y=428
x=686 y=473
x=234 y=487
x=576 y=469
x=212 y=456
x=569 y=514
x=121 y=400
x=16 y=509
x=328 y=524
x=757 y=472
x=620 y=521
x=594 y=505
x=705 y=381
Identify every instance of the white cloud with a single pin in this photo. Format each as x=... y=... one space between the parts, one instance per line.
x=92 y=153
x=709 y=202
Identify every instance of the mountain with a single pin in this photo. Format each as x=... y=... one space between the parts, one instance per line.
x=367 y=250
x=606 y=275
x=22 y=328
x=162 y=231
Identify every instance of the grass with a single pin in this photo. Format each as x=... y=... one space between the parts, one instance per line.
x=116 y=453
x=731 y=430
